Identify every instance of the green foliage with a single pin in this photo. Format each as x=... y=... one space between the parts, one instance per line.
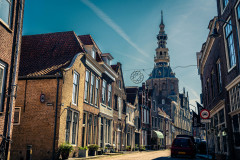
x=93 y=147
x=128 y=148
x=142 y=148
x=66 y=148
x=83 y=148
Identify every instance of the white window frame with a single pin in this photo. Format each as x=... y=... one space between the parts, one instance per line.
x=2 y=87
x=92 y=89
x=226 y=46
x=19 y=117
x=76 y=86
x=221 y=4
x=86 y=83
x=109 y=96
x=93 y=53
x=97 y=83
x=104 y=97
x=8 y=23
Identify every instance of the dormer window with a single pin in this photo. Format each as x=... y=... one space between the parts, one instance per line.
x=93 y=54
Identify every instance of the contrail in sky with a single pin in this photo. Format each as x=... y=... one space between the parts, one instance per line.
x=112 y=24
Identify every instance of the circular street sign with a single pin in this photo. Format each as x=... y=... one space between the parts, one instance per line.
x=204 y=114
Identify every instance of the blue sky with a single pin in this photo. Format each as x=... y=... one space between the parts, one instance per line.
x=128 y=28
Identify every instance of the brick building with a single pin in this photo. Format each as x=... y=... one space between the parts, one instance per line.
x=119 y=109
x=219 y=69
x=132 y=99
x=11 y=20
x=144 y=102
x=49 y=103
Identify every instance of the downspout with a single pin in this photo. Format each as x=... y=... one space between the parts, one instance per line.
x=12 y=75
x=55 y=122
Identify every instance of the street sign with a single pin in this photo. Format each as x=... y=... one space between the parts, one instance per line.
x=205 y=120
x=204 y=114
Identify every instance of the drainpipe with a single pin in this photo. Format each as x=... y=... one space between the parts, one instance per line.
x=55 y=122
x=12 y=75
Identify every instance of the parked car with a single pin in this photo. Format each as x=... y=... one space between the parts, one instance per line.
x=183 y=146
x=188 y=136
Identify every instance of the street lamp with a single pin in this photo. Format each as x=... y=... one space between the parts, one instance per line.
x=215 y=33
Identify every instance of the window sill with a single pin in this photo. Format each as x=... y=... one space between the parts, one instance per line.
x=5 y=26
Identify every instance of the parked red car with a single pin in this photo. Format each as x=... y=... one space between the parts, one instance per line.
x=183 y=146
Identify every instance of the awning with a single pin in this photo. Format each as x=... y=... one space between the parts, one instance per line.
x=158 y=134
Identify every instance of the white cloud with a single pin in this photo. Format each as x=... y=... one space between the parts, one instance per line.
x=113 y=25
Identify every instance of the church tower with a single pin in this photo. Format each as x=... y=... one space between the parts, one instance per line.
x=162 y=79
x=162 y=51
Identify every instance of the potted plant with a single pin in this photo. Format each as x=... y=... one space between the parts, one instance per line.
x=83 y=151
x=65 y=149
x=128 y=148
x=136 y=147
x=142 y=148
x=93 y=149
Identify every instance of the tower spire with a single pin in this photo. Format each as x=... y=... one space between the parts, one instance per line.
x=161 y=17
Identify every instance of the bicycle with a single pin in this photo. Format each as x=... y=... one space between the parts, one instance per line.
x=2 y=146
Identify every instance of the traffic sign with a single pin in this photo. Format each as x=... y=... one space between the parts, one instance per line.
x=204 y=114
x=205 y=120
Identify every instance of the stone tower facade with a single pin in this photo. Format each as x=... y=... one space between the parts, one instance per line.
x=162 y=80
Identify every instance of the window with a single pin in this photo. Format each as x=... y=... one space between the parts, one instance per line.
x=230 y=45
x=236 y=129
x=95 y=130
x=208 y=94
x=68 y=125
x=124 y=106
x=74 y=128
x=83 y=129
x=224 y=3
x=5 y=11
x=119 y=83
x=219 y=76
x=163 y=101
x=17 y=113
x=92 y=88
x=71 y=126
x=109 y=131
x=147 y=116
x=152 y=121
x=119 y=107
x=212 y=84
x=75 y=87
x=96 y=92
x=89 y=129
x=86 y=86
x=2 y=82
x=234 y=95
x=104 y=92
x=156 y=122
x=154 y=106
x=116 y=101
x=110 y=95
x=93 y=54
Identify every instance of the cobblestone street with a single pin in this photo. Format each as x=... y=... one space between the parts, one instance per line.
x=152 y=155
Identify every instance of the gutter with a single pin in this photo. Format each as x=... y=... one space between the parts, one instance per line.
x=13 y=74
x=55 y=121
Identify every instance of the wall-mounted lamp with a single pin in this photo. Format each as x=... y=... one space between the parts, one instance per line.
x=215 y=33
